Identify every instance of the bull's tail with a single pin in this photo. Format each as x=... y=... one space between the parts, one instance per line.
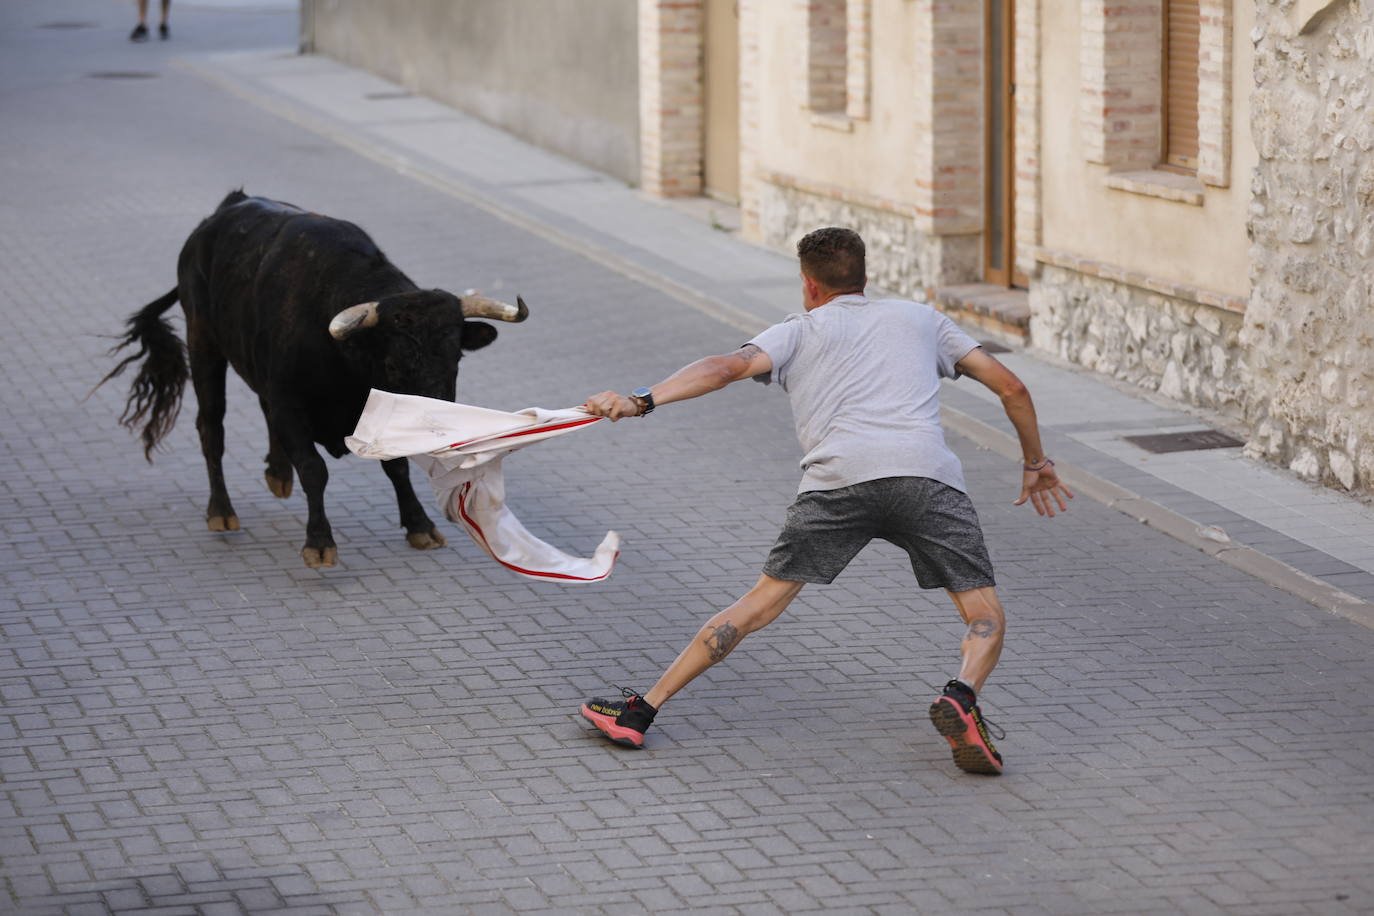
x=155 y=396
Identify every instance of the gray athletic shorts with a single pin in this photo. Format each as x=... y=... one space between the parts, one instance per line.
x=934 y=523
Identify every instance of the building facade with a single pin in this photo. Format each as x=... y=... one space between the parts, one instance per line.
x=1185 y=188
x=1175 y=193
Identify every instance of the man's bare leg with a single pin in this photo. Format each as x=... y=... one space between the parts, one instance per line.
x=982 y=645
x=624 y=721
x=955 y=712
x=759 y=607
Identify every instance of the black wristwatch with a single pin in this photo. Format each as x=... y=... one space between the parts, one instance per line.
x=645 y=397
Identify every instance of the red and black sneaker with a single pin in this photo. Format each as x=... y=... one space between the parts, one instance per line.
x=623 y=721
x=956 y=716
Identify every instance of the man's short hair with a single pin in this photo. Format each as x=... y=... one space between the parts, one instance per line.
x=834 y=257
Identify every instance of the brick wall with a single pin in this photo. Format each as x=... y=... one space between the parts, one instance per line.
x=858 y=49
x=671 y=109
x=948 y=109
x=750 y=185
x=1027 y=135
x=1214 y=93
x=1120 y=101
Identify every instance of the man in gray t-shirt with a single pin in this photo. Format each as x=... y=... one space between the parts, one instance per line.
x=863 y=376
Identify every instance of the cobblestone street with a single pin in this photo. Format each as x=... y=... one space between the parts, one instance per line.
x=194 y=722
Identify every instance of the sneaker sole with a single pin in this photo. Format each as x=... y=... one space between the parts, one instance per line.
x=970 y=753
x=621 y=735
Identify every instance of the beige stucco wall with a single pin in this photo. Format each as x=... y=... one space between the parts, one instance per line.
x=560 y=73
x=1204 y=246
x=877 y=157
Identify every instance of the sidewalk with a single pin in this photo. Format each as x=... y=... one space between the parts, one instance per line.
x=1312 y=542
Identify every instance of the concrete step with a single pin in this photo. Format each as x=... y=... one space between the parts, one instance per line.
x=1002 y=314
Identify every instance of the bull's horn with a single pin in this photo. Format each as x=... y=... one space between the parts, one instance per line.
x=482 y=307
x=352 y=319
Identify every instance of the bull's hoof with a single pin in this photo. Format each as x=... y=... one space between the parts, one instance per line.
x=280 y=486
x=222 y=522
x=316 y=557
x=425 y=540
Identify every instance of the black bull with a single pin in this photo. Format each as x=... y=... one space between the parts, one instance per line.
x=311 y=315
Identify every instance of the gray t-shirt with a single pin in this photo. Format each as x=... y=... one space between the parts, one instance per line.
x=863 y=376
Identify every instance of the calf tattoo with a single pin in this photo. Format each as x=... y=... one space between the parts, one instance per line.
x=722 y=639
x=982 y=628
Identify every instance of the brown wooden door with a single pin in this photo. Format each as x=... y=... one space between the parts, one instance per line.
x=999 y=235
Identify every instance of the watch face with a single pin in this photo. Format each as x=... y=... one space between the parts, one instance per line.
x=640 y=392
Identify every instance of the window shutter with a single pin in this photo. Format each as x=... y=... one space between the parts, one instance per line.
x=1180 y=84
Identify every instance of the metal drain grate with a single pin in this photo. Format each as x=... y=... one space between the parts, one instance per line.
x=122 y=75
x=1196 y=440
x=68 y=25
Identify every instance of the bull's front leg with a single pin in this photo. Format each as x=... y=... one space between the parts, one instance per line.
x=319 y=549
x=420 y=531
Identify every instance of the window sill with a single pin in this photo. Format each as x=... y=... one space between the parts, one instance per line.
x=833 y=121
x=1185 y=189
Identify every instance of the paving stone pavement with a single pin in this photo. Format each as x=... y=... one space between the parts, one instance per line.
x=193 y=722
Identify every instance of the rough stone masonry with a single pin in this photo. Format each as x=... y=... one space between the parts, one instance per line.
x=1309 y=328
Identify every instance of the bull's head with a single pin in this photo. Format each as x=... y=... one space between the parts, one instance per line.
x=413 y=341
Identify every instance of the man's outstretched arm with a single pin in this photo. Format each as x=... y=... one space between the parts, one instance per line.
x=1039 y=482
x=701 y=377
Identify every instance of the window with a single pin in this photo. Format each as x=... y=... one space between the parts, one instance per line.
x=827 y=47
x=835 y=67
x=1156 y=88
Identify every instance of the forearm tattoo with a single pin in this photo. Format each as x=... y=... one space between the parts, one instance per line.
x=982 y=628
x=747 y=352
x=722 y=639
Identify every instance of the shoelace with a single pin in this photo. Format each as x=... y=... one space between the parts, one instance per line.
x=626 y=692
x=991 y=726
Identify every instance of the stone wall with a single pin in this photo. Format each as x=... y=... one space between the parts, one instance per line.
x=1161 y=339
x=563 y=74
x=1309 y=329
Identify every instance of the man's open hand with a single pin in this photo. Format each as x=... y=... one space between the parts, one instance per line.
x=1040 y=486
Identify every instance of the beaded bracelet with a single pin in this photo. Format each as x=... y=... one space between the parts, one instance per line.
x=1048 y=462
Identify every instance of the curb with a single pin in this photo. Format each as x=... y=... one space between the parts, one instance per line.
x=1246 y=559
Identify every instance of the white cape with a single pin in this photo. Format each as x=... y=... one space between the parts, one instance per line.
x=460 y=447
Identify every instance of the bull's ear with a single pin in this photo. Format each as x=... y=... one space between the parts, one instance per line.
x=477 y=334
